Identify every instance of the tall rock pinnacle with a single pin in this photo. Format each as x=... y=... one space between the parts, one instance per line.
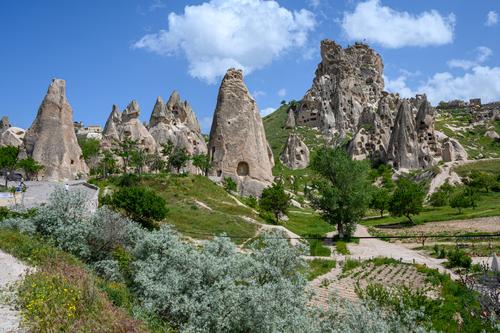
x=51 y=139
x=238 y=147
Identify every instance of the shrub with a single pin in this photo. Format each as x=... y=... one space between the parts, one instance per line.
x=128 y=180
x=230 y=185
x=458 y=258
x=141 y=205
x=441 y=197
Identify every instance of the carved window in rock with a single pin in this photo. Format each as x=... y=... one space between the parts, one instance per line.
x=243 y=169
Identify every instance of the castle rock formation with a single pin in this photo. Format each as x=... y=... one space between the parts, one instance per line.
x=238 y=146
x=51 y=139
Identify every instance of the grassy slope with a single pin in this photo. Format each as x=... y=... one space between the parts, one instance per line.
x=472 y=139
x=188 y=217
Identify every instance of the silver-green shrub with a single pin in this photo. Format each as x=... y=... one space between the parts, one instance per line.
x=108 y=269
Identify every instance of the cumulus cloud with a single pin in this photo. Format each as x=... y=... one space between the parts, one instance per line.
x=491 y=18
x=258 y=93
x=220 y=34
x=375 y=23
x=266 y=111
x=399 y=85
x=482 y=54
x=282 y=92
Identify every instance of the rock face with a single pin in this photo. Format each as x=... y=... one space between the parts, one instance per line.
x=12 y=136
x=491 y=134
x=238 y=147
x=4 y=124
x=290 y=120
x=347 y=99
x=296 y=154
x=346 y=81
x=51 y=139
x=126 y=124
x=176 y=122
x=452 y=150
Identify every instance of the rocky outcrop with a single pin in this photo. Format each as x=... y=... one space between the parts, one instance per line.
x=452 y=150
x=176 y=122
x=4 y=123
x=51 y=139
x=126 y=125
x=296 y=154
x=491 y=134
x=12 y=136
x=346 y=81
x=238 y=147
x=290 y=120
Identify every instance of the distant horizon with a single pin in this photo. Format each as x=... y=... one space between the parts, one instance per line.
x=152 y=47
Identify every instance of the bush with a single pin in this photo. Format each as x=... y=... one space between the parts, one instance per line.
x=230 y=185
x=128 y=180
x=441 y=197
x=141 y=205
x=458 y=258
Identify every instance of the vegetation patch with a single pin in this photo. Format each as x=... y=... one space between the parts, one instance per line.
x=318 y=267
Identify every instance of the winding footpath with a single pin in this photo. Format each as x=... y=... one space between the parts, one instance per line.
x=11 y=271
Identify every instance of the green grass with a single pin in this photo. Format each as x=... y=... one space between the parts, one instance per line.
x=490 y=166
x=341 y=247
x=188 y=217
x=318 y=267
x=489 y=205
x=318 y=249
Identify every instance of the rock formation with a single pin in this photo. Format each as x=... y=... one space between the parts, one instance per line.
x=296 y=154
x=176 y=122
x=290 y=120
x=126 y=124
x=51 y=139
x=452 y=150
x=238 y=147
x=346 y=81
x=347 y=99
x=4 y=124
x=12 y=136
x=492 y=134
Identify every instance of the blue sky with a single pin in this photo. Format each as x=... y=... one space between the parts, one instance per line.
x=110 y=52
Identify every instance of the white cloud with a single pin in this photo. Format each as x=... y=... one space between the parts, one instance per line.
x=314 y=3
x=399 y=85
x=258 y=93
x=220 y=34
x=282 y=92
x=266 y=111
x=380 y=24
x=491 y=18
x=480 y=81
x=482 y=54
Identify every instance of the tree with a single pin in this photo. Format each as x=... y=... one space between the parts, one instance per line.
x=30 y=167
x=275 y=200
x=107 y=165
x=407 y=200
x=138 y=159
x=155 y=162
x=202 y=162
x=481 y=180
x=8 y=160
x=342 y=190
x=90 y=151
x=178 y=159
x=125 y=150
x=167 y=148
x=460 y=201
x=380 y=199
x=442 y=196
x=140 y=204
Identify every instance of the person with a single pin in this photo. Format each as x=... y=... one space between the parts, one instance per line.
x=66 y=187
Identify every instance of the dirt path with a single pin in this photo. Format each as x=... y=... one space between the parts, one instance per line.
x=11 y=271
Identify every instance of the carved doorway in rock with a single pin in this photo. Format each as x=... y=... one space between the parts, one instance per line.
x=243 y=169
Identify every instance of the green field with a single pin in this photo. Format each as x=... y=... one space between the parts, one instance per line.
x=490 y=166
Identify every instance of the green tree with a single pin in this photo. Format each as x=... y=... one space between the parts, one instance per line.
x=141 y=205
x=91 y=149
x=442 y=196
x=8 y=160
x=155 y=162
x=202 y=162
x=178 y=159
x=342 y=191
x=167 y=148
x=138 y=159
x=107 y=165
x=380 y=199
x=407 y=199
x=460 y=200
x=481 y=180
x=30 y=167
x=124 y=150
x=275 y=200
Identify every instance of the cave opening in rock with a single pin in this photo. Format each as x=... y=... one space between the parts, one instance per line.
x=243 y=169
